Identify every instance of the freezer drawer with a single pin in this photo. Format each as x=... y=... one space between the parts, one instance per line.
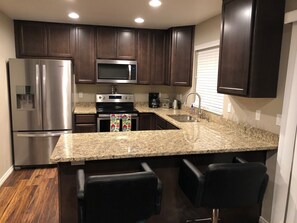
x=34 y=148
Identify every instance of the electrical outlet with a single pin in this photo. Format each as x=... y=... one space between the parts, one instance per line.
x=278 y=119
x=258 y=115
x=229 y=107
x=80 y=95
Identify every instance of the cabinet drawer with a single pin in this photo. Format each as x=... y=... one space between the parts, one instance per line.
x=85 y=119
x=84 y=128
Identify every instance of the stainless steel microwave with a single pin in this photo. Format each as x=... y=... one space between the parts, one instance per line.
x=116 y=71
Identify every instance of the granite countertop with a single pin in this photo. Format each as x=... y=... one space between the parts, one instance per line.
x=85 y=108
x=192 y=138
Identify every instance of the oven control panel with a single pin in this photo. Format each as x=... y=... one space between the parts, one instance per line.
x=114 y=98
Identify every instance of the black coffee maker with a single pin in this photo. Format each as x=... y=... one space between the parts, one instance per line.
x=154 y=101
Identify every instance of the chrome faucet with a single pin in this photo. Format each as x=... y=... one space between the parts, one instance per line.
x=199 y=105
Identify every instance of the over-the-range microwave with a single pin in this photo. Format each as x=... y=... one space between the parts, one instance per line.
x=116 y=71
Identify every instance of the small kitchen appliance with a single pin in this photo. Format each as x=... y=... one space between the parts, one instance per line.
x=118 y=104
x=154 y=101
x=116 y=71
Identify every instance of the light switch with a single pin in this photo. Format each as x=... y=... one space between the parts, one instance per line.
x=80 y=95
x=278 y=119
x=258 y=115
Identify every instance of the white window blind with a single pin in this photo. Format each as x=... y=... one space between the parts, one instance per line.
x=206 y=80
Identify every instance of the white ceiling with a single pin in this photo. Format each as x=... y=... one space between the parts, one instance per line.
x=114 y=12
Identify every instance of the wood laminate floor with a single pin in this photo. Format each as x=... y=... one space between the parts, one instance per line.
x=30 y=196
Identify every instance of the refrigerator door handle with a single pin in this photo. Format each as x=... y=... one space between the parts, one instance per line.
x=34 y=135
x=38 y=95
x=43 y=87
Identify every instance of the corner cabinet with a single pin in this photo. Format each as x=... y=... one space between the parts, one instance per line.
x=250 y=47
x=85 y=55
x=180 y=55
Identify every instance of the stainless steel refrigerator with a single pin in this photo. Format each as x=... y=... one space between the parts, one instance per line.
x=41 y=108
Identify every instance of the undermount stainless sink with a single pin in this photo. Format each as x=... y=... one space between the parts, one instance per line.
x=183 y=118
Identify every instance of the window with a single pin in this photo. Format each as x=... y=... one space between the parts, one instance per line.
x=207 y=78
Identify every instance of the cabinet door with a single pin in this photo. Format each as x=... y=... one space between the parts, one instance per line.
x=85 y=55
x=158 y=56
x=30 y=39
x=235 y=47
x=126 y=44
x=61 y=40
x=106 y=43
x=147 y=121
x=181 y=56
x=143 y=57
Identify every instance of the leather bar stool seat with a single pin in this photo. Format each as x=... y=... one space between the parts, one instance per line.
x=224 y=185
x=127 y=197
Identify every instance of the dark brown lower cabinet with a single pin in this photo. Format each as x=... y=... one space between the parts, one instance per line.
x=147 y=121
x=151 y=121
x=85 y=123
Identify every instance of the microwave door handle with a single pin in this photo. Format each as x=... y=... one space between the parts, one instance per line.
x=129 y=68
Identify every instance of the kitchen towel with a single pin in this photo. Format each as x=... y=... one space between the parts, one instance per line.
x=126 y=122
x=115 y=122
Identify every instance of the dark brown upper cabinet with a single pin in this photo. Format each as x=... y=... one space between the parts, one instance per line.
x=85 y=59
x=37 y=39
x=61 y=40
x=250 y=47
x=180 y=53
x=30 y=38
x=151 y=57
x=106 y=43
x=116 y=43
x=158 y=57
x=144 y=57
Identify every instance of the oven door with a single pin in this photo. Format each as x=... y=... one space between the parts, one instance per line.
x=103 y=123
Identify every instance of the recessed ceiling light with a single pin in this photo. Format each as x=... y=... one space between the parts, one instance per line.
x=73 y=15
x=139 y=20
x=155 y=3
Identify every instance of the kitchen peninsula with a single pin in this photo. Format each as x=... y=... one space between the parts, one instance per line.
x=201 y=142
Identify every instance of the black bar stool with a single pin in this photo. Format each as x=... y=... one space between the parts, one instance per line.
x=224 y=185
x=127 y=197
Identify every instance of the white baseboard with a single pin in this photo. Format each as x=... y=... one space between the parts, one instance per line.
x=6 y=175
x=263 y=220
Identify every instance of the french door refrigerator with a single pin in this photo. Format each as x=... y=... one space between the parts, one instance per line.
x=41 y=108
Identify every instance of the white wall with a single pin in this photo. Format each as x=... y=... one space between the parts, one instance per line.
x=7 y=50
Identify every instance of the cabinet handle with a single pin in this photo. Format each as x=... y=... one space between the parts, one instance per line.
x=181 y=82
x=231 y=88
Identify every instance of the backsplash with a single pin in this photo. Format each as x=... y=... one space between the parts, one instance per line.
x=86 y=93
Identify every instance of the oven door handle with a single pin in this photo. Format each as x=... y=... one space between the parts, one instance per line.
x=107 y=116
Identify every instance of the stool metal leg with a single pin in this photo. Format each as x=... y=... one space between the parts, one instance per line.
x=215 y=215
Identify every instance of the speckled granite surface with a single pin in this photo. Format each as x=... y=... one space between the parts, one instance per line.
x=85 y=108
x=192 y=138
